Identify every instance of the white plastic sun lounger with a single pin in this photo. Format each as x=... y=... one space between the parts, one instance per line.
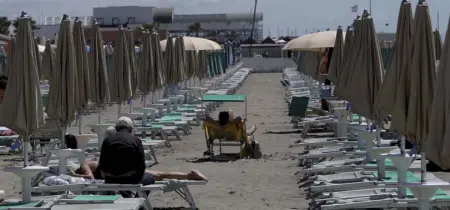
x=181 y=187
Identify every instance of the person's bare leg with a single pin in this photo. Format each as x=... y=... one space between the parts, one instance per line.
x=193 y=175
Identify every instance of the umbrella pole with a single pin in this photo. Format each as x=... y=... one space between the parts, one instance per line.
x=119 y=110
x=402 y=145
x=99 y=114
x=80 y=122
x=423 y=164
x=26 y=140
x=131 y=105
x=144 y=100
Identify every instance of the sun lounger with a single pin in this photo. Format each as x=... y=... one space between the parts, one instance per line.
x=181 y=187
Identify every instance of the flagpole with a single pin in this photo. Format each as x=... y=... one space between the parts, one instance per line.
x=370 y=7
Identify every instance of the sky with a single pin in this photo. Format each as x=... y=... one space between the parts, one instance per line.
x=279 y=15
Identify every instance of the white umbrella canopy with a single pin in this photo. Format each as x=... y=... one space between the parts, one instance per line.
x=22 y=109
x=48 y=61
x=313 y=42
x=63 y=97
x=336 y=58
x=194 y=44
x=388 y=93
x=437 y=140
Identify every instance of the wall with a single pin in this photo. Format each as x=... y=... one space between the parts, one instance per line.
x=265 y=65
x=123 y=13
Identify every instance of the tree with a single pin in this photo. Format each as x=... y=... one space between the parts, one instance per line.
x=4 y=25
x=15 y=23
x=195 y=28
x=149 y=27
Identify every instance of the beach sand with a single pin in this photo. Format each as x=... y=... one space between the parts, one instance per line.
x=267 y=183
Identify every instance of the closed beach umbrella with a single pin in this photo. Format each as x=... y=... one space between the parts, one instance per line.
x=10 y=57
x=422 y=70
x=22 y=110
x=81 y=56
x=368 y=74
x=146 y=60
x=437 y=144
x=349 y=38
x=120 y=75
x=437 y=44
x=388 y=92
x=169 y=55
x=180 y=60
x=192 y=63
x=38 y=56
x=97 y=67
x=349 y=63
x=157 y=74
x=202 y=70
x=336 y=59
x=132 y=58
x=62 y=97
x=48 y=60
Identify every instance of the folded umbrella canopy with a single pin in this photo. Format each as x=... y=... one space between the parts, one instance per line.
x=368 y=74
x=82 y=64
x=132 y=58
x=336 y=58
x=9 y=58
x=62 y=97
x=180 y=61
x=388 y=92
x=157 y=80
x=48 y=61
x=437 y=44
x=146 y=63
x=202 y=70
x=22 y=110
x=97 y=68
x=38 y=56
x=120 y=75
x=192 y=63
x=169 y=56
x=349 y=63
x=438 y=133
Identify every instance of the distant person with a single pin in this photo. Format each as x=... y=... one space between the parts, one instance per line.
x=265 y=54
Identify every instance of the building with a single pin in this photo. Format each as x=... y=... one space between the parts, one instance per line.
x=212 y=24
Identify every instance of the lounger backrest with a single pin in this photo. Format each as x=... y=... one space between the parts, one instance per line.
x=234 y=131
x=298 y=106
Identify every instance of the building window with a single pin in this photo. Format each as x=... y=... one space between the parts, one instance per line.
x=100 y=21
x=131 y=20
x=115 y=21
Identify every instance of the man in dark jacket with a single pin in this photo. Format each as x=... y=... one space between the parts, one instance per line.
x=122 y=157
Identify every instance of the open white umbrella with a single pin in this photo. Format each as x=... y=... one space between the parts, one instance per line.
x=82 y=64
x=313 y=42
x=194 y=44
x=22 y=110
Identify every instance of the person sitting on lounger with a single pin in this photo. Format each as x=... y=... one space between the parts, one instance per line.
x=89 y=170
x=226 y=117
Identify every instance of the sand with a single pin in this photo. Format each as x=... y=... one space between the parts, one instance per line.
x=267 y=183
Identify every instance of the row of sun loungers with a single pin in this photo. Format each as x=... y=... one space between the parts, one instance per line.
x=341 y=171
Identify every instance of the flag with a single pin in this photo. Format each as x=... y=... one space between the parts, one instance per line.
x=354 y=8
